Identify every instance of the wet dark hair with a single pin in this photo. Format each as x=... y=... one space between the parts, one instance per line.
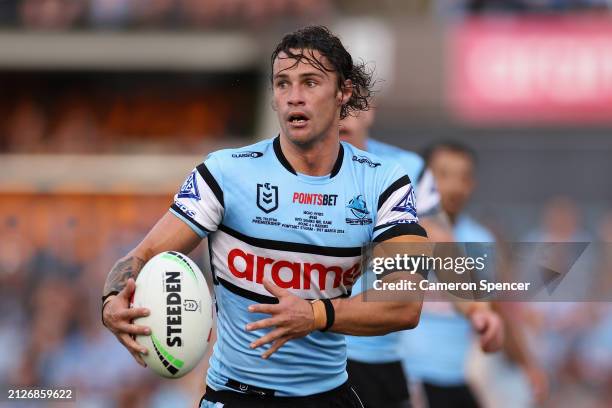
x=449 y=145
x=319 y=38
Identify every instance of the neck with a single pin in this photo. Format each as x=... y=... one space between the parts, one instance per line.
x=316 y=159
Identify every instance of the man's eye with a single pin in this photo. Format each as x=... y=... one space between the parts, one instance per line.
x=281 y=84
x=311 y=83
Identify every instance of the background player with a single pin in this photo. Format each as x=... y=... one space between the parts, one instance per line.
x=436 y=354
x=272 y=344
x=374 y=363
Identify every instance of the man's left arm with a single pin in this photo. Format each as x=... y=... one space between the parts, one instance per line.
x=386 y=311
x=294 y=317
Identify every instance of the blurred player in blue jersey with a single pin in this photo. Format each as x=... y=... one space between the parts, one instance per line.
x=375 y=363
x=286 y=219
x=436 y=352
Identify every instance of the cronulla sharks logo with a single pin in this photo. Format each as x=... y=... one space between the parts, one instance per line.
x=358 y=208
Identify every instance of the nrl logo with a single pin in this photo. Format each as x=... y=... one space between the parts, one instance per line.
x=267 y=197
x=363 y=159
x=191 y=305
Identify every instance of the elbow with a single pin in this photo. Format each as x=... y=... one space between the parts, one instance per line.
x=410 y=317
x=404 y=318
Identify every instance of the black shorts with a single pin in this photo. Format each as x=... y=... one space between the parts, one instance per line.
x=457 y=396
x=343 y=396
x=380 y=385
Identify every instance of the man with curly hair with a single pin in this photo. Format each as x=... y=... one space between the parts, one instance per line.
x=286 y=220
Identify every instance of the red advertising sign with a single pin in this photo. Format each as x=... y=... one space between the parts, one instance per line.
x=526 y=70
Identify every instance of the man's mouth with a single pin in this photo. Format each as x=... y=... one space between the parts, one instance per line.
x=297 y=119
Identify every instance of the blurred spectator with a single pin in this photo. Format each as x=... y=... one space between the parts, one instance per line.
x=109 y=13
x=26 y=126
x=51 y=14
x=70 y=14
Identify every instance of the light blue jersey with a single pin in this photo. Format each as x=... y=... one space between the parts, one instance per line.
x=266 y=221
x=435 y=351
x=385 y=349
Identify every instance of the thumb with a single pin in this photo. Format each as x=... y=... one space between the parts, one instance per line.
x=479 y=322
x=129 y=289
x=275 y=290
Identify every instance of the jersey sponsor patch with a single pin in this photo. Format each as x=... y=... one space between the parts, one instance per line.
x=314 y=198
x=189 y=189
x=290 y=274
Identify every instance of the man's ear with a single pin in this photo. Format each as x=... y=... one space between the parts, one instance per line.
x=345 y=92
x=273 y=105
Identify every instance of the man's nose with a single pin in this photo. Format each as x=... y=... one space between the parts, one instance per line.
x=296 y=96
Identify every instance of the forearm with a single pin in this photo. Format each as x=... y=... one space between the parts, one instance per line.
x=355 y=316
x=515 y=345
x=168 y=234
x=125 y=268
x=385 y=310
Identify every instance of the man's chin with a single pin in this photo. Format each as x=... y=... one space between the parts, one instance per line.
x=300 y=137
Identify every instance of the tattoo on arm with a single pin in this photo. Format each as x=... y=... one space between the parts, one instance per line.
x=125 y=268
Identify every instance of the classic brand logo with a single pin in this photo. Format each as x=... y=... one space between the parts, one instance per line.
x=364 y=159
x=295 y=275
x=267 y=197
x=252 y=155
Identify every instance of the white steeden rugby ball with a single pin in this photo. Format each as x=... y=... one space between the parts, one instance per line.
x=173 y=288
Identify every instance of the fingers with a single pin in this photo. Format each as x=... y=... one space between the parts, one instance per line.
x=270 y=337
x=264 y=308
x=133 y=313
x=133 y=347
x=134 y=329
x=138 y=358
x=275 y=346
x=131 y=344
x=262 y=324
x=275 y=290
x=491 y=338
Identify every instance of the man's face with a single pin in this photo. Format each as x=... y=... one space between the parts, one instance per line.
x=306 y=99
x=354 y=128
x=454 y=174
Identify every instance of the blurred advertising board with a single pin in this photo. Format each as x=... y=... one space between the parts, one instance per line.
x=530 y=70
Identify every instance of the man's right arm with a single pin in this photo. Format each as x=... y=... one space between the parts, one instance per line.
x=169 y=234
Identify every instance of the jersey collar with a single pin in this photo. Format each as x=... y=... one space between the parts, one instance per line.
x=283 y=160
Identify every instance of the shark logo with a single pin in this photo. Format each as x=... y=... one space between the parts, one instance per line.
x=359 y=209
